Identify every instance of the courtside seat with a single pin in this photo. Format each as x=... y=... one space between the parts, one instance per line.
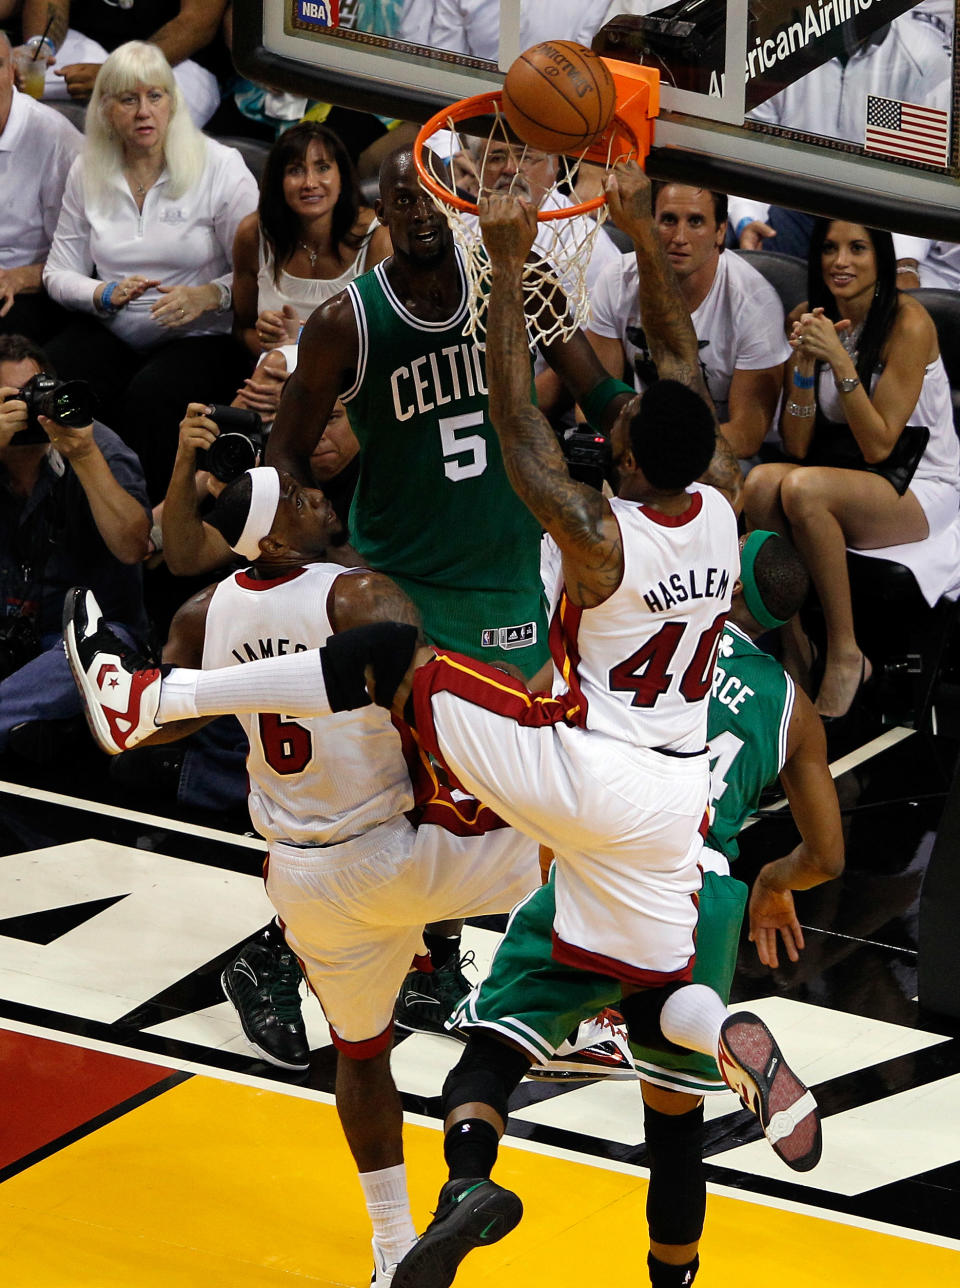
x=785 y=273
x=253 y=151
x=76 y=113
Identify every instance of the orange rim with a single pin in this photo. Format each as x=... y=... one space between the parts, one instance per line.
x=489 y=104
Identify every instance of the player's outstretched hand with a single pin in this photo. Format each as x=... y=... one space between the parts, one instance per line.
x=772 y=911
x=509 y=226
x=629 y=198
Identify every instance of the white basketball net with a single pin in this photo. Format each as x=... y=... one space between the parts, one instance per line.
x=563 y=246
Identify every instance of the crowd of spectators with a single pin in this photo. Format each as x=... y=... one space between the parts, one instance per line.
x=142 y=258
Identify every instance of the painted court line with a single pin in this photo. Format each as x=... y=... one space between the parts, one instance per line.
x=134 y=816
x=851 y=760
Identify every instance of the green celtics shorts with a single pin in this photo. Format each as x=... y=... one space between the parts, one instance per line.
x=493 y=626
x=536 y=1002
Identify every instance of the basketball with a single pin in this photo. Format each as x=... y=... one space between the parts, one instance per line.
x=559 y=96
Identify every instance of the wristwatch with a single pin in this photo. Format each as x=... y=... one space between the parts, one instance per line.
x=847 y=384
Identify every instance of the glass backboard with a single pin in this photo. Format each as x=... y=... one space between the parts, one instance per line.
x=833 y=106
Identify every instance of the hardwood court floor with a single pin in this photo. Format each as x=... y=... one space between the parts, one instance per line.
x=140 y=1144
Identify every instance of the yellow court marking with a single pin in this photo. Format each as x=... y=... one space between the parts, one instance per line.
x=215 y=1184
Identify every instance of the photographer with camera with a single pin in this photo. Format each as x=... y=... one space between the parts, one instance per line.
x=73 y=506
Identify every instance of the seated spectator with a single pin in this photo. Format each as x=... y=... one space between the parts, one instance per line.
x=736 y=314
x=85 y=31
x=311 y=236
x=868 y=416
x=73 y=509
x=143 y=250
x=37 y=148
x=922 y=262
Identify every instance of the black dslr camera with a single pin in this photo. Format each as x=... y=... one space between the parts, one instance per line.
x=588 y=456
x=238 y=444
x=68 y=402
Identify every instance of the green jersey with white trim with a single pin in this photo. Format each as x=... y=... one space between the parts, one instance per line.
x=433 y=507
x=751 y=703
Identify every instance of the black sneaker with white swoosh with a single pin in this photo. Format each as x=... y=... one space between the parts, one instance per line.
x=263 y=983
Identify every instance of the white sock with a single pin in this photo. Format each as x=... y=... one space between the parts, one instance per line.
x=385 y=1194
x=692 y=1016
x=178 y=695
x=292 y=685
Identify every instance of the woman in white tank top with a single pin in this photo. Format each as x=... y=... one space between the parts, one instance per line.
x=310 y=237
x=867 y=414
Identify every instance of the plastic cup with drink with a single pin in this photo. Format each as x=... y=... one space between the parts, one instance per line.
x=30 y=62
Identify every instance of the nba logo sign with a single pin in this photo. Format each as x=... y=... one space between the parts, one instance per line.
x=321 y=13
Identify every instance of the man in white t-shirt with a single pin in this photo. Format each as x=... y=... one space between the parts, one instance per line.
x=736 y=314
x=30 y=198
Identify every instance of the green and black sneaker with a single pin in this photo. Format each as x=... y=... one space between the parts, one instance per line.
x=427 y=999
x=263 y=983
x=470 y=1214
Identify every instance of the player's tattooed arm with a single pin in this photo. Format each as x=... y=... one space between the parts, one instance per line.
x=573 y=514
x=666 y=318
x=361 y=597
x=576 y=516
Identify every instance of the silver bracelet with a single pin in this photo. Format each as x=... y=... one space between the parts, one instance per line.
x=226 y=297
x=802 y=413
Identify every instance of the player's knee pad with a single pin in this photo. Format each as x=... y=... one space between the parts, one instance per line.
x=677 y=1196
x=641 y=1015
x=486 y=1074
x=386 y=647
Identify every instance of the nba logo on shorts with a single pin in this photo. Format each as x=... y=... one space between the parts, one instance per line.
x=509 y=636
x=321 y=13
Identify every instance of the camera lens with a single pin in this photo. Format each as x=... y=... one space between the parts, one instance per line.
x=230 y=456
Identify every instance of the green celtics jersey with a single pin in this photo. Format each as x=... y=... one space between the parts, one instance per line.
x=750 y=707
x=433 y=506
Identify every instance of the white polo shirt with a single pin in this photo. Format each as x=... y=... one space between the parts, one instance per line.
x=37 y=149
x=739 y=325
x=183 y=241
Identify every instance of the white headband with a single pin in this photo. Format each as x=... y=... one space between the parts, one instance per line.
x=264 y=500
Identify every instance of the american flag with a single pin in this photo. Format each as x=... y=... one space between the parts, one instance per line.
x=907 y=130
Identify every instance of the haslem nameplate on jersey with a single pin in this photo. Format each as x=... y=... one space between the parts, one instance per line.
x=509 y=636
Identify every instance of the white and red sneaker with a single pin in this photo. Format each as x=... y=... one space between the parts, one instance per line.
x=752 y=1064
x=599 y=1049
x=120 y=692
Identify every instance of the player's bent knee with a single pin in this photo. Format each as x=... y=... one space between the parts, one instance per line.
x=487 y=1072
x=641 y=1014
x=386 y=647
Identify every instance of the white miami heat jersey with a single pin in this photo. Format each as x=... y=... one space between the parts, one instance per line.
x=639 y=666
x=312 y=781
